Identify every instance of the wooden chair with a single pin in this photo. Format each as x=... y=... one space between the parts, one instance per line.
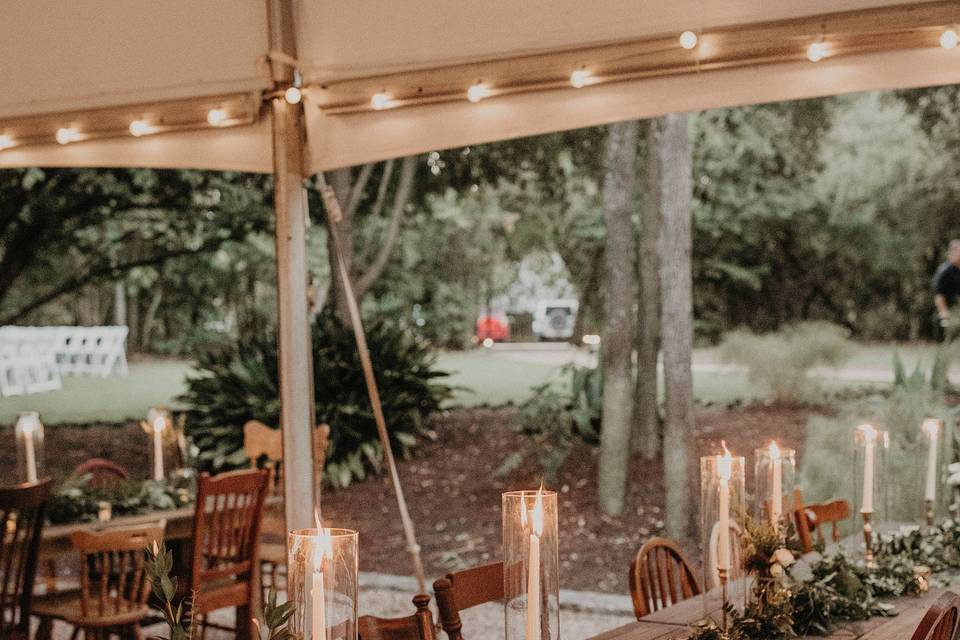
x=226 y=531
x=113 y=585
x=660 y=576
x=419 y=626
x=21 y=516
x=259 y=441
x=941 y=621
x=103 y=473
x=465 y=589
x=811 y=518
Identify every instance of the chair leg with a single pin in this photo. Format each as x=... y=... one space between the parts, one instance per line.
x=203 y=627
x=76 y=633
x=136 y=632
x=45 y=629
x=243 y=623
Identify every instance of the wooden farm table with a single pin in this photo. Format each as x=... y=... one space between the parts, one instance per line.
x=673 y=623
x=55 y=539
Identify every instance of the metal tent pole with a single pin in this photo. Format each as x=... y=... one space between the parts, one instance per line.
x=297 y=412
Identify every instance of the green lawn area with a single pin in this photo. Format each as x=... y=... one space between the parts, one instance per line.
x=113 y=399
x=483 y=377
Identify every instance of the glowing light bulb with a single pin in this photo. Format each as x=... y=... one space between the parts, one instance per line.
x=140 y=128
x=293 y=95
x=216 y=117
x=478 y=92
x=5 y=142
x=67 y=135
x=949 y=39
x=380 y=101
x=816 y=51
x=688 y=40
x=580 y=78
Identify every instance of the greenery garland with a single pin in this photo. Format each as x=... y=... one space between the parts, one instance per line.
x=77 y=500
x=790 y=600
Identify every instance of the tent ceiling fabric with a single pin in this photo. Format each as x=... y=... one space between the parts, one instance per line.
x=136 y=53
x=68 y=56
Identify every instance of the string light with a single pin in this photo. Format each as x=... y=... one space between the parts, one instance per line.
x=688 y=40
x=949 y=39
x=478 y=92
x=67 y=135
x=816 y=51
x=580 y=78
x=216 y=117
x=380 y=101
x=140 y=128
x=293 y=95
x=5 y=141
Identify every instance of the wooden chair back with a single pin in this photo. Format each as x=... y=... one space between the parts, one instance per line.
x=226 y=525
x=21 y=516
x=465 y=589
x=112 y=576
x=941 y=621
x=103 y=473
x=262 y=441
x=810 y=519
x=419 y=626
x=660 y=576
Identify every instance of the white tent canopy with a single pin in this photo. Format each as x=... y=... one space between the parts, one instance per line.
x=197 y=84
x=64 y=59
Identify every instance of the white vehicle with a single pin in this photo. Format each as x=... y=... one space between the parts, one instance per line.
x=554 y=319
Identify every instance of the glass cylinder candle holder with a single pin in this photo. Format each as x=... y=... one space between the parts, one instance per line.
x=29 y=435
x=159 y=423
x=322 y=581
x=932 y=429
x=722 y=509
x=531 y=563
x=869 y=486
x=775 y=471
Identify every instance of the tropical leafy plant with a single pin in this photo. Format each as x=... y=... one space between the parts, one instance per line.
x=555 y=419
x=241 y=383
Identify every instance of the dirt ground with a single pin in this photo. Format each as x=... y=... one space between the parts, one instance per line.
x=454 y=493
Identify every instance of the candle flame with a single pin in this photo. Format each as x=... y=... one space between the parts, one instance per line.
x=324 y=542
x=931 y=426
x=536 y=516
x=27 y=422
x=725 y=463
x=774 y=450
x=869 y=433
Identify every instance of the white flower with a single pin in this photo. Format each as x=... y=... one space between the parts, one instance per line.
x=783 y=557
x=776 y=570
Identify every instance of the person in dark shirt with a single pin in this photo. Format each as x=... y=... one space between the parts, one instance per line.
x=946 y=286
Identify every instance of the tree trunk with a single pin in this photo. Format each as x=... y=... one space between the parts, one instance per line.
x=672 y=147
x=119 y=303
x=647 y=409
x=340 y=181
x=618 y=188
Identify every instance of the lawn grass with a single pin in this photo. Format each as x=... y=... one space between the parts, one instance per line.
x=481 y=376
x=113 y=399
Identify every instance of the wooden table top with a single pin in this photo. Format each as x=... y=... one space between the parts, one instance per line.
x=673 y=623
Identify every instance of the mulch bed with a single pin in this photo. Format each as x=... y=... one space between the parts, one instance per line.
x=454 y=493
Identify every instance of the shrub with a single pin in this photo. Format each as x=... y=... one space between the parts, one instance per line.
x=556 y=419
x=241 y=383
x=827 y=469
x=779 y=362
